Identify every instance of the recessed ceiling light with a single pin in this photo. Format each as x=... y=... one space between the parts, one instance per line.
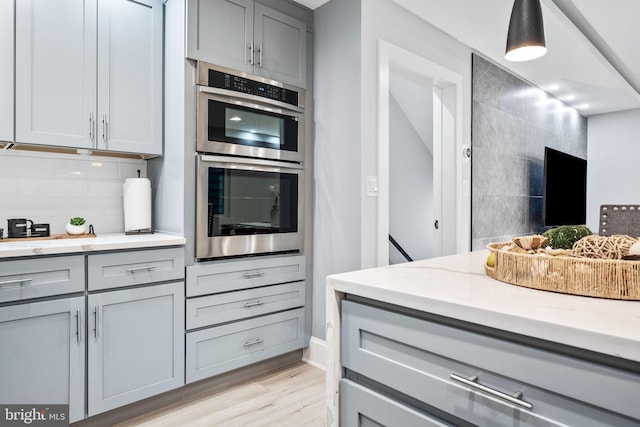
x=553 y=87
x=569 y=98
x=583 y=106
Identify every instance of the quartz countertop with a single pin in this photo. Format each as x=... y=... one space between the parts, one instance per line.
x=103 y=242
x=456 y=286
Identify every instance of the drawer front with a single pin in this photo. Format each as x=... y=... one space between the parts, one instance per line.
x=362 y=407
x=223 y=348
x=115 y=270
x=203 y=279
x=214 y=309
x=430 y=362
x=41 y=277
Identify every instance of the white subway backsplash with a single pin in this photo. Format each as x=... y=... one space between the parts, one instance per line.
x=51 y=188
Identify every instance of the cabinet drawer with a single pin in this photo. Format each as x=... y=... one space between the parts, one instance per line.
x=214 y=309
x=360 y=407
x=203 y=279
x=418 y=357
x=41 y=277
x=223 y=348
x=114 y=270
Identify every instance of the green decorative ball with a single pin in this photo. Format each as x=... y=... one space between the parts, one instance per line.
x=565 y=236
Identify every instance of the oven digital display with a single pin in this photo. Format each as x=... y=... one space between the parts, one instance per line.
x=228 y=81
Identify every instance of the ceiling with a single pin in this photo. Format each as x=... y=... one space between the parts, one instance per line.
x=591 y=61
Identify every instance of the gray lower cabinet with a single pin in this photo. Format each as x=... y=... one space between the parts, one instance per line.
x=135 y=344
x=363 y=407
x=223 y=348
x=126 y=344
x=43 y=354
x=461 y=375
x=23 y=279
x=243 y=311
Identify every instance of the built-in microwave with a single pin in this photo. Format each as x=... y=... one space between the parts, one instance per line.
x=243 y=115
x=248 y=207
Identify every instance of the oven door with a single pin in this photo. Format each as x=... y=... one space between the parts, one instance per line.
x=248 y=206
x=246 y=125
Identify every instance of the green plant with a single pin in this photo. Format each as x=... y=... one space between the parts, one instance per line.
x=565 y=236
x=77 y=221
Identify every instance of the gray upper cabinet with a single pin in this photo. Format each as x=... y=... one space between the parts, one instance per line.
x=43 y=354
x=6 y=70
x=55 y=72
x=249 y=37
x=89 y=74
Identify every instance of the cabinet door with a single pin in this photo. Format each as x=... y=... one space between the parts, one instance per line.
x=135 y=344
x=221 y=32
x=130 y=76
x=55 y=72
x=6 y=70
x=281 y=46
x=362 y=407
x=43 y=354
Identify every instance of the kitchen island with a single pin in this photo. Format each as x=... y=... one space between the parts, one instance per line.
x=406 y=323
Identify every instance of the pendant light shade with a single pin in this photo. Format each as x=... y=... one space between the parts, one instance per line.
x=525 y=39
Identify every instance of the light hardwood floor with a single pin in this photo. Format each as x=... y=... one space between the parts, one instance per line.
x=292 y=396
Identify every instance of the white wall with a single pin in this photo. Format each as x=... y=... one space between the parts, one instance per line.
x=51 y=188
x=336 y=241
x=613 y=159
x=347 y=34
x=410 y=185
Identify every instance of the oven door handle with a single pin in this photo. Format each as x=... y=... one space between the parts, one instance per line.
x=259 y=102
x=255 y=164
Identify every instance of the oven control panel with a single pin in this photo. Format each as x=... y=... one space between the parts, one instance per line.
x=221 y=80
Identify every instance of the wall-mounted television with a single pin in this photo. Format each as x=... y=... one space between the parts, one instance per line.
x=564 y=189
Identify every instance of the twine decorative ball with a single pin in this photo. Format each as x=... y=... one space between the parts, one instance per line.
x=602 y=247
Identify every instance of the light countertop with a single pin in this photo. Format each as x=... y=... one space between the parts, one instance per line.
x=103 y=242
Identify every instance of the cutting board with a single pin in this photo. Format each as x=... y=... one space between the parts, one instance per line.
x=51 y=237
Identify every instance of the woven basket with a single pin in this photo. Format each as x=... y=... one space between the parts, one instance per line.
x=616 y=279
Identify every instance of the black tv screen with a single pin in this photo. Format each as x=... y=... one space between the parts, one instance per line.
x=565 y=189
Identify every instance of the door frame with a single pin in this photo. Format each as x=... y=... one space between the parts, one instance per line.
x=392 y=57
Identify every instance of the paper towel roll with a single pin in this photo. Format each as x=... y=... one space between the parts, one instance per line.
x=137 y=204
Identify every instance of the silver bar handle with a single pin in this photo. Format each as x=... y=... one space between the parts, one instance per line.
x=253 y=275
x=473 y=383
x=251 y=53
x=105 y=128
x=96 y=312
x=79 y=325
x=143 y=268
x=254 y=342
x=18 y=281
x=253 y=304
x=91 y=126
x=260 y=57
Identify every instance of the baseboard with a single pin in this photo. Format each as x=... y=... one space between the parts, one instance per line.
x=316 y=353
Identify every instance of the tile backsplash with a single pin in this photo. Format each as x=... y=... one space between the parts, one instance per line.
x=51 y=188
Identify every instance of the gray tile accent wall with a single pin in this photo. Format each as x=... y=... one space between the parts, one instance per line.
x=512 y=122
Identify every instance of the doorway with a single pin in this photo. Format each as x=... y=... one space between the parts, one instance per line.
x=419 y=105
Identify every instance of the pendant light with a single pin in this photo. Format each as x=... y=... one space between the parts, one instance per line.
x=525 y=39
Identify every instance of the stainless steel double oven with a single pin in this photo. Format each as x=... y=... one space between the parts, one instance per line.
x=250 y=171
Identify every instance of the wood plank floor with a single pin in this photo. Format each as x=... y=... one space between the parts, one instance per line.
x=292 y=396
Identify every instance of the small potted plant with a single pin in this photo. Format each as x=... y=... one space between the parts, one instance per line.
x=76 y=225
